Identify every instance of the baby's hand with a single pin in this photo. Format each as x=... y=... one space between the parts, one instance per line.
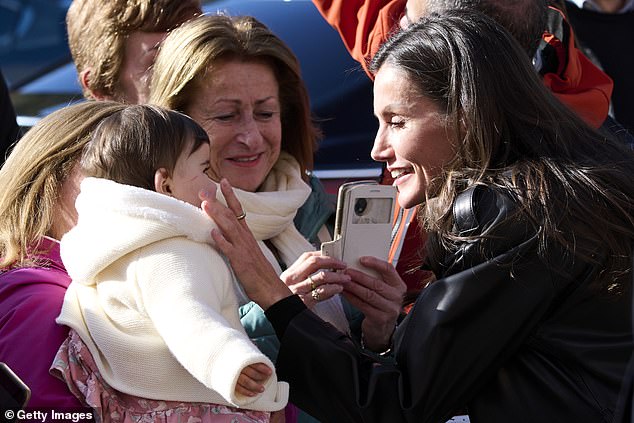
x=278 y=416
x=252 y=379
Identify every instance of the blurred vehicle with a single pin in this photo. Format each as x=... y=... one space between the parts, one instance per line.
x=32 y=37
x=341 y=94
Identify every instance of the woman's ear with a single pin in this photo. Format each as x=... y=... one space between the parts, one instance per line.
x=162 y=182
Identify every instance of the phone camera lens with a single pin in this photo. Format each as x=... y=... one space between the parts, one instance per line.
x=360 y=205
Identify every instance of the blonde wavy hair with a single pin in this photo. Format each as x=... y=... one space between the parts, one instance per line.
x=189 y=53
x=97 y=31
x=33 y=174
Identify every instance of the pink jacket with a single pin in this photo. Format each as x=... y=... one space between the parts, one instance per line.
x=30 y=300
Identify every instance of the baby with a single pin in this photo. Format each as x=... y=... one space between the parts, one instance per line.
x=152 y=299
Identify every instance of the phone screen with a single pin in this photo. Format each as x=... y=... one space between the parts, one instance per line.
x=372 y=210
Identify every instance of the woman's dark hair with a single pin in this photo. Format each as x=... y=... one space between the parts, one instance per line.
x=129 y=146
x=525 y=20
x=572 y=182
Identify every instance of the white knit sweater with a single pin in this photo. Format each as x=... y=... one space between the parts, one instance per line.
x=155 y=302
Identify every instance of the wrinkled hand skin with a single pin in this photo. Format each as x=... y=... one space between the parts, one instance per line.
x=379 y=299
x=312 y=270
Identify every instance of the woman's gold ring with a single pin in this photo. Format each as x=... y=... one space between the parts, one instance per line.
x=315 y=294
x=313 y=285
x=241 y=216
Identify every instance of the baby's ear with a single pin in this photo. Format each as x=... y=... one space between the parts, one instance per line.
x=162 y=182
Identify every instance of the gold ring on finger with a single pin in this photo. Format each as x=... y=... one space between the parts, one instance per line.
x=241 y=216
x=313 y=285
x=315 y=294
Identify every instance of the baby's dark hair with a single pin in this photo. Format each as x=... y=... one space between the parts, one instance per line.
x=129 y=146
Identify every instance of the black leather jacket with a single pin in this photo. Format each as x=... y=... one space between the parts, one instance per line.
x=512 y=338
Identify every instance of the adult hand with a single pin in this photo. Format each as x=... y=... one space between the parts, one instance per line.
x=380 y=300
x=315 y=278
x=233 y=238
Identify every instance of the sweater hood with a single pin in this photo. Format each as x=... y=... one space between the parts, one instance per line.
x=116 y=219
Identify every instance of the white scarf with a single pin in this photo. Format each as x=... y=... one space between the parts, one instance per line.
x=270 y=213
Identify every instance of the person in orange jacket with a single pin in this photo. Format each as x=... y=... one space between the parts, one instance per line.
x=603 y=28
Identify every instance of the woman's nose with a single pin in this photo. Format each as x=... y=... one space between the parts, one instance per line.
x=381 y=148
x=250 y=134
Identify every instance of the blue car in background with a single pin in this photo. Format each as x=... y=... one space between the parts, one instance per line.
x=32 y=38
x=340 y=92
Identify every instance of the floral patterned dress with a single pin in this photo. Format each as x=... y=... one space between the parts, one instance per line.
x=74 y=364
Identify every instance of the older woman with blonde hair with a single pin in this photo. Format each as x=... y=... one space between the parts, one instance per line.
x=38 y=185
x=243 y=85
x=195 y=58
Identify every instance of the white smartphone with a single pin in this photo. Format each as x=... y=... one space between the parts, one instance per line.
x=363 y=223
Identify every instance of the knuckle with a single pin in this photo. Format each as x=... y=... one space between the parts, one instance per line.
x=386 y=268
x=369 y=295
